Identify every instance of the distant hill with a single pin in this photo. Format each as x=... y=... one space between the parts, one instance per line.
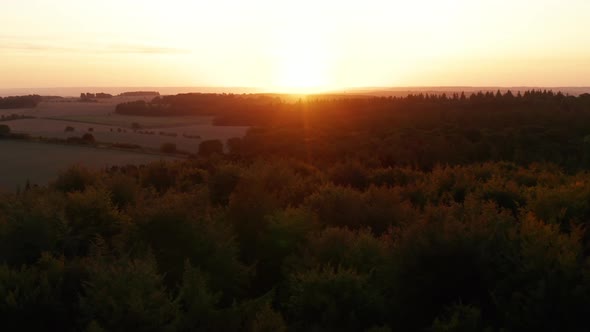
x=139 y=93
x=76 y=91
x=404 y=91
x=373 y=91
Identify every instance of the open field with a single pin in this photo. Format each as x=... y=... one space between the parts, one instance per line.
x=112 y=134
x=40 y=163
x=51 y=119
x=127 y=121
x=102 y=112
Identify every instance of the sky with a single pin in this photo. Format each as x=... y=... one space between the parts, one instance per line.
x=294 y=45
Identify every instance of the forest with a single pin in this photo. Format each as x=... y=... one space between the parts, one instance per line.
x=19 y=101
x=334 y=213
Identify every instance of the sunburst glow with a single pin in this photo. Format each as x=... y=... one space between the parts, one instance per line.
x=301 y=63
x=301 y=74
x=294 y=46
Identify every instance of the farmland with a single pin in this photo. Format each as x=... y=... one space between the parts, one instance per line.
x=52 y=117
x=39 y=163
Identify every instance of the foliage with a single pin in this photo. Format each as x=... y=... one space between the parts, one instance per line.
x=334 y=299
x=423 y=213
x=75 y=178
x=127 y=295
x=210 y=147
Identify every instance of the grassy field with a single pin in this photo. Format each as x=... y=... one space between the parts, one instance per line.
x=39 y=163
x=51 y=119
x=127 y=121
x=112 y=134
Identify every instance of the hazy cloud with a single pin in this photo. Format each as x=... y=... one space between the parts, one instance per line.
x=144 y=49
x=7 y=43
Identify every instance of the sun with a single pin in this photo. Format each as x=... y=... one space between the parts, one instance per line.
x=301 y=73
x=301 y=65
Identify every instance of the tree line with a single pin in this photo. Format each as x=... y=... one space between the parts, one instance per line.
x=29 y=101
x=420 y=131
x=90 y=96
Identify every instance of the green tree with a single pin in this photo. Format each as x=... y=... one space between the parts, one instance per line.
x=127 y=295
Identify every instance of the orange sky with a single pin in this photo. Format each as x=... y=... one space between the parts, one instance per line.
x=294 y=45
